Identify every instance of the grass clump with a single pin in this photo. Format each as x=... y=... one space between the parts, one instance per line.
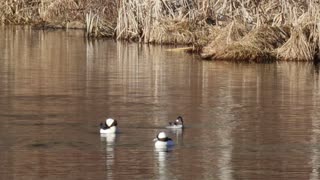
x=297 y=48
x=257 y=45
x=224 y=37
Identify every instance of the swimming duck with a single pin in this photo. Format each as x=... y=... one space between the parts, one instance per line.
x=162 y=141
x=109 y=126
x=178 y=123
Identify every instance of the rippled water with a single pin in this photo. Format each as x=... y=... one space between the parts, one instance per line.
x=243 y=121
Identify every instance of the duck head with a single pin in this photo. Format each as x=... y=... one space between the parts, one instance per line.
x=179 y=120
x=111 y=122
x=162 y=136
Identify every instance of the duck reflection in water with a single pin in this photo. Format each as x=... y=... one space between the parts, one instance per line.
x=108 y=141
x=162 y=154
x=163 y=145
x=177 y=135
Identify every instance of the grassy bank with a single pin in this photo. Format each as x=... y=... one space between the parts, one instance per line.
x=237 y=30
x=98 y=17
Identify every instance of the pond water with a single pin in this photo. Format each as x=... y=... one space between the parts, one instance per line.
x=243 y=121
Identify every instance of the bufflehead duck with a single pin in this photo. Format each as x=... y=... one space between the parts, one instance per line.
x=162 y=141
x=178 y=123
x=110 y=126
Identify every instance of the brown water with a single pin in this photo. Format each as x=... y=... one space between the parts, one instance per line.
x=243 y=121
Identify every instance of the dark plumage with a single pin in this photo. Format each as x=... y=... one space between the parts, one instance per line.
x=178 y=121
x=104 y=126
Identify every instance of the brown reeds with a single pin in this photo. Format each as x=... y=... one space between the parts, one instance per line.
x=164 y=22
x=62 y=14
x=297 y=48
x=221 y=29
x=242 y=30
x=59 y=11
x=287 y=31
x=303 y=44
x=17 y=12
x=257 y=45
x=225 y=36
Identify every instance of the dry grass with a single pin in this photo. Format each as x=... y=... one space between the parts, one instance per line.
x=270 y=37
x=244 y=30
x=17 y=12
x=242 y=53
x=257 y=45
x=303 y=44
x=297 y=48
x=164 y=22
x=224 y=37
x=98 y=16
x=225 y=29
x=58 y=11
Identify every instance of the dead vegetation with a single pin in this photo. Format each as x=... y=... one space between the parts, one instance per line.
x=98 y=17
x=227 y=30
x=239 y=30
x=256 y=45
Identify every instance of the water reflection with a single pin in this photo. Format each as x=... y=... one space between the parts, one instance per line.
x=315 y=152
x=177 y=132
x=225 y=155
x=244 y=121
x=221 y=121
x=108 y=141
x=162 y=155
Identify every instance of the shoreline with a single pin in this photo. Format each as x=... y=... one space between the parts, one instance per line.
x=232 y=31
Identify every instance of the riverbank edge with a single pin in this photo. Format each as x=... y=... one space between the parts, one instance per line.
x=230 y=37
x=233 y=42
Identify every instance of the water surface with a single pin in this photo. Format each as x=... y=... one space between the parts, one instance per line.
x=243 y=121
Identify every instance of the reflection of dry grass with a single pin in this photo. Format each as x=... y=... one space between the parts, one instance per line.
x=297 y=75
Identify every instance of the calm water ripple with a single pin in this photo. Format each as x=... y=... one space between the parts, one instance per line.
x=243 y=121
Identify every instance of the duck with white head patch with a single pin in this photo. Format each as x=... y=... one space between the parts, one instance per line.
x=109 y=126
x=162 y=141
x=177 y=124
